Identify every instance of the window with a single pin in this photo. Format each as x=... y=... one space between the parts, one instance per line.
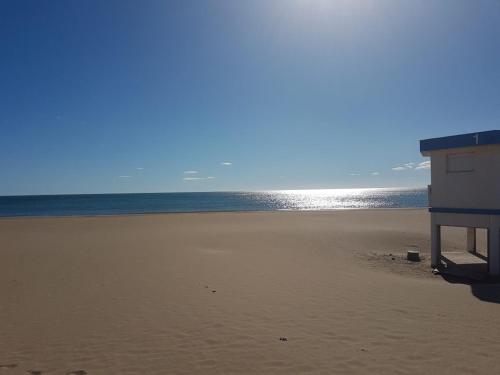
x=460 y=162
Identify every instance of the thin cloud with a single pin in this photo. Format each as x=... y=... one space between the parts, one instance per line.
x=226 y=163
x=412 y=166
x=424 y=165
x=375 y=173
x=190 y=172
x=140 y=168
x=404 y=167
x=125 y=176
x=198 y=178
x=354 y=174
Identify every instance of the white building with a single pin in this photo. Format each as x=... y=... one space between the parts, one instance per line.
x=465 y=190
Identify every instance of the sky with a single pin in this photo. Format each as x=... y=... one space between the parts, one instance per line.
x=157 y=96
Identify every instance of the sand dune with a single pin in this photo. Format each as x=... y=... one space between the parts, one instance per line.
x=277 y=292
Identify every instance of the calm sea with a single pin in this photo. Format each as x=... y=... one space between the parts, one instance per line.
x=113 y=204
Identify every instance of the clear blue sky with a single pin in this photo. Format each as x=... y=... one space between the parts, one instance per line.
x=125 y=96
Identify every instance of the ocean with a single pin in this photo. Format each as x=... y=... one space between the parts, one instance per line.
x=116 y=204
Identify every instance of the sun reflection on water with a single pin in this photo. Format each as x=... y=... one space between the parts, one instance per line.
x=329 y=199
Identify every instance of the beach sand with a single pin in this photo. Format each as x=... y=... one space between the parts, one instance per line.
x=214 y=292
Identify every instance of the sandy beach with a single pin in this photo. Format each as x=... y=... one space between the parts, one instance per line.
x=275 y=293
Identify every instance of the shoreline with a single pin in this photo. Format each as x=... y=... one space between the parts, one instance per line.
x=210 y=212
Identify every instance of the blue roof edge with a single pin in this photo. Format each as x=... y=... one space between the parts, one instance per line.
x=473 y=211
x=490 y=137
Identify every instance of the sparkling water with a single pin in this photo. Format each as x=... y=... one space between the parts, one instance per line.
x=114 y=204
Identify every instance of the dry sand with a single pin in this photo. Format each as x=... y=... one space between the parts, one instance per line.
x=214 y=293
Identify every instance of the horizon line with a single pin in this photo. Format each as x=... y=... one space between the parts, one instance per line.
x=216 y=191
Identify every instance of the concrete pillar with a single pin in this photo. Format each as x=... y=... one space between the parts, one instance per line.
x=435 y=242
x=471 y=240
x=494 y=250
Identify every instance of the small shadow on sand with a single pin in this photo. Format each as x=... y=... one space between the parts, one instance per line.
x=482 y=287
x=487 y=292
x=8 y=366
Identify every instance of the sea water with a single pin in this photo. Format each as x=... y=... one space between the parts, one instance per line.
x=115 y=204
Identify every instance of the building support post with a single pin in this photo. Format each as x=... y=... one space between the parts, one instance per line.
x=471 y=240
x=494 y=250
x=435 y=242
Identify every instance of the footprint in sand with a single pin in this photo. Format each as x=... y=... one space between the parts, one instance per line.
x=77 y=372
x=34 y=372
x=283 y=339
x=8 y=366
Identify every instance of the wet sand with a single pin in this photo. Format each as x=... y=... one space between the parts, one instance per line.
x=276 y=293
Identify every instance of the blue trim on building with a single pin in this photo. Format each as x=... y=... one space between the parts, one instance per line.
x=476 y=211
x=463 y=140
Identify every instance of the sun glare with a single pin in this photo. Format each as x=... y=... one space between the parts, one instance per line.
x=346 y=18
x=327 y=7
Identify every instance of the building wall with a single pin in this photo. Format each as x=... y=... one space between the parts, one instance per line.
x=466 y=177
